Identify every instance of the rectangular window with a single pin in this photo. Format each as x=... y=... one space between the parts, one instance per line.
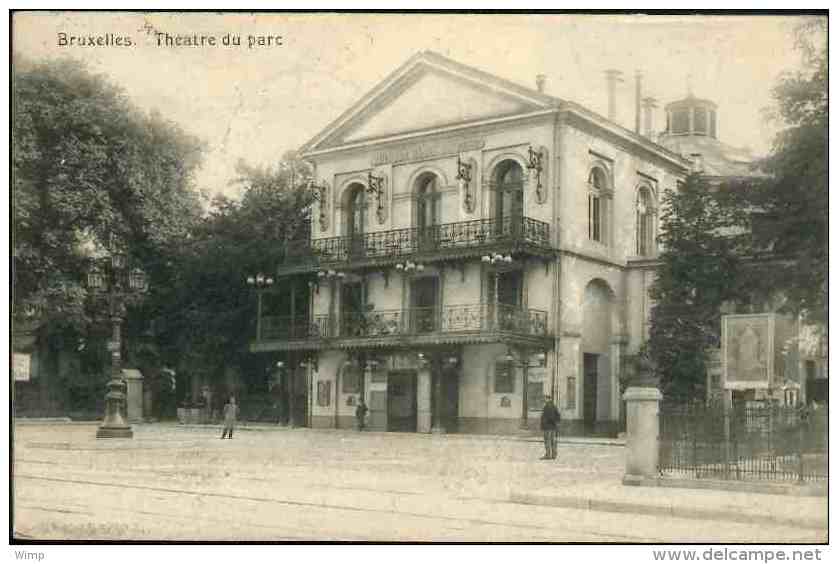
x=352 y=380
x=324 y=393
x=594 y=217
x=570 y=393
x=535 y=396
x=504 y=378
x=510 y=287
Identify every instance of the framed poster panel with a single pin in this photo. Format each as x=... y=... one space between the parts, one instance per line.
x=747 y=351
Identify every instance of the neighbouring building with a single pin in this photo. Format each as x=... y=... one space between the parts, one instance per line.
x=475 y=245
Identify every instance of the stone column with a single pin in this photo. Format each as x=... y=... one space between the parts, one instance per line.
x=134 y=399
x=642 y=434
x=423 y=401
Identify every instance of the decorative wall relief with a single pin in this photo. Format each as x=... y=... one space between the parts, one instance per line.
x=466 y=170
x=377 y=188
x=537 y=160
x=320 y=192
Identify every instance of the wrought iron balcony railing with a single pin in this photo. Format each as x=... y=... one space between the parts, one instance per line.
x=282 y=328
x=401 y=243
x=473 y=318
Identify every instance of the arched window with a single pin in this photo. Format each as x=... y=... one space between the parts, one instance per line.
x=427 y=201
x=509 y=196
x=597 y=190
x=356 y=212
x=645 y=223
x=356 y=218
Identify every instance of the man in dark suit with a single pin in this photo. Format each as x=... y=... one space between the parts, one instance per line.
x=550 y=426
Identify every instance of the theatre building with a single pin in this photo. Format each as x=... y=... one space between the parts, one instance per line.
x=475 y=245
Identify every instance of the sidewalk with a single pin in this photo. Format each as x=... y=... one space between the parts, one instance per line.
x=271 y=427
x=714 y=504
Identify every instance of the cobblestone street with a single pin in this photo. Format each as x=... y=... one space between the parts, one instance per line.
x=182 y=483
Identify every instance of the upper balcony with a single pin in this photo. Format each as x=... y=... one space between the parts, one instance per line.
x=459 y=240
x=470 y=323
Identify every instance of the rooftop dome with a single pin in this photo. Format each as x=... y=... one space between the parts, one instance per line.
x=691 y=116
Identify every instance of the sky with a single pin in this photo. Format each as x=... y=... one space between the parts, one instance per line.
x=255 y=103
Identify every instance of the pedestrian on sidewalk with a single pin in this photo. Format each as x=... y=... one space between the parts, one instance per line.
x=549 y=425
x=230 y=411
x=361 y=414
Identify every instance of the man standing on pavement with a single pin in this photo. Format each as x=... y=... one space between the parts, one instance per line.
x=549 y=425
x=230 y=411
x=361 y=414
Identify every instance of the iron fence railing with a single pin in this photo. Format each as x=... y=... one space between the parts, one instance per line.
x=747 y=443
x=411 y=321
x=402 y=243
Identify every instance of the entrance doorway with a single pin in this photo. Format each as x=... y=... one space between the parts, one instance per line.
x=589 y=388
x=449 y=398
x=401 y=401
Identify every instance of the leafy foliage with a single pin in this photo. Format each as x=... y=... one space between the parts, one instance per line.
x=703 y=239
x=793 y=199
x=205 y=316
x=86 y=166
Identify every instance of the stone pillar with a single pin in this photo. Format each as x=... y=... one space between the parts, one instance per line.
x=642 y=434
x=134 y=399
x=423 y=401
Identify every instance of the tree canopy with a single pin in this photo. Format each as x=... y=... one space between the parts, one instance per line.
x=206 y=315
x=703 y=241
x=88 y=166
x=793 y=200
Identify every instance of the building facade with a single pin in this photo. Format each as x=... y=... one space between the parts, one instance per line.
x=475 y=246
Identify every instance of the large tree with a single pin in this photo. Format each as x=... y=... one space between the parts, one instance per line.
x=89 y=168
x=792 y=202
x=703 y=239
x=206 y=316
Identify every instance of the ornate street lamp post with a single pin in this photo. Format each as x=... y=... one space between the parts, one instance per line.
x=119 y=282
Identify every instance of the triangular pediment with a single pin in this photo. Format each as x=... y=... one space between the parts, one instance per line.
x=428 y=93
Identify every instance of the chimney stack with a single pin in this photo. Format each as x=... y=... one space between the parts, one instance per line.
x=638 y=94
x=649 y=103
x=540 y=82
x=612 y=77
